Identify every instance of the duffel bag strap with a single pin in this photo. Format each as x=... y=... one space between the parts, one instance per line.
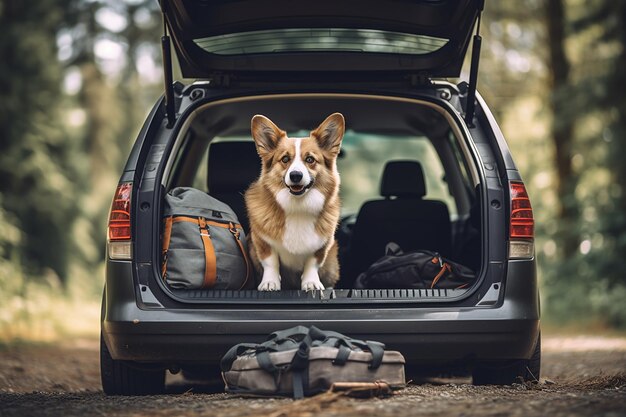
x=227 y=360
x=377 y=349
x=210 y=263
x=263 y=358
x=167 y=236
x=330 y=338
x=236 y=233
x=300 y=368
x=445 y=268
x=295 y=333
x=342 y=355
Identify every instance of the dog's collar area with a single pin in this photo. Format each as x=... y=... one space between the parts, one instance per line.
x=301 y=190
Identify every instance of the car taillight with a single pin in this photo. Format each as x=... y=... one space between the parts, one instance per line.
x=119 y=235
x=522 y=227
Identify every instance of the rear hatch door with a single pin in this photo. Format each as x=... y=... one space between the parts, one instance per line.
x=278 y=39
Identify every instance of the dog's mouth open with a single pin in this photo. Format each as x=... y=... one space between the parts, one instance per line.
x=299 y=189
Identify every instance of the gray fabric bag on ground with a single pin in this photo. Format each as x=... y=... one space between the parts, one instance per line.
x=304 y=361
x=204 y=246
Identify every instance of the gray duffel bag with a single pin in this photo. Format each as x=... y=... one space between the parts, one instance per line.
x=204 y=246
x=304 y=361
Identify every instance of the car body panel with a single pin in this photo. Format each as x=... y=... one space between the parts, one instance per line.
x=141 y=321
x=505 y=330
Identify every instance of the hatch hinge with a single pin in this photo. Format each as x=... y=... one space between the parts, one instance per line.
x=170 y=111
x=470 y=106
x=420 y=79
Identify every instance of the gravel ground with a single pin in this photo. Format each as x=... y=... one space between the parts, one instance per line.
x=582 y=376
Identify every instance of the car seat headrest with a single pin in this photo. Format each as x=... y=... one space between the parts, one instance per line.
x=403 y=179
x=232 y=166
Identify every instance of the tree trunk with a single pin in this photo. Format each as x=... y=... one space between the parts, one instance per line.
x=562 y=130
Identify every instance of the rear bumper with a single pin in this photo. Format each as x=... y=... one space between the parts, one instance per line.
x=506 y=330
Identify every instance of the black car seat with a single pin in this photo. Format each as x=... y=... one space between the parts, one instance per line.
x=403 y=217
x=233 y=166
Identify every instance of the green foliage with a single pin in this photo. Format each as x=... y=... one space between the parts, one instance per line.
x=593 y=279
x=580 y=207
x=61 y=155
x=36 y=162
x=61 y=151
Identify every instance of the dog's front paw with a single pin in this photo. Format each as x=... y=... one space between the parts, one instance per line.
x=270 y=284
x=310 y=280
x=310 y=285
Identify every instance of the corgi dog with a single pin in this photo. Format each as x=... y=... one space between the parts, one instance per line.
x=294 y=205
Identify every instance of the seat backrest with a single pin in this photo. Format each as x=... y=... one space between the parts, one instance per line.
x=403 y=217
x=233 y=166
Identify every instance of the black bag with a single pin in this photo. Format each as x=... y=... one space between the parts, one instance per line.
x=420 y=269
x=303 y=361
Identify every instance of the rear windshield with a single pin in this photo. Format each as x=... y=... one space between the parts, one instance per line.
x=322 y=40
x=363 y=160
x=361 y=164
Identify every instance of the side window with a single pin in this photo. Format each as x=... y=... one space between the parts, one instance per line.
x=436 y=180
x=465 y=172
x=189 y=163
x=200 y=179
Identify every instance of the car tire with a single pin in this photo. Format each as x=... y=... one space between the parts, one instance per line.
x=509 y=372
x=126 y=378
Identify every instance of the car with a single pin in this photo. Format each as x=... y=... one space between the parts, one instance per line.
x=384 y=65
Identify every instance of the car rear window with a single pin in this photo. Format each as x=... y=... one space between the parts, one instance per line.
x=361 y=165
x=363 y=160
x=322 y=40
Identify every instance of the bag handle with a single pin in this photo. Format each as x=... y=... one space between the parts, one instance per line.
x=300 y=362
x=377 y=349
x=290 y=333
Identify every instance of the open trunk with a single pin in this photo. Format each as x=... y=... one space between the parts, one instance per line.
x=276 y=39
x=214 y=152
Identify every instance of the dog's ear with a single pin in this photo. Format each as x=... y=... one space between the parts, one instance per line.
x=265 y=134
x=330 y=133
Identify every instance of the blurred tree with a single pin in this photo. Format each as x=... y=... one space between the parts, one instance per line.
x=512 y=57
x=562 y=132
x=36 y=162
x=106 y=40
x=601 y=31
x=558 y=53
x=52 y=178
x=587 y=61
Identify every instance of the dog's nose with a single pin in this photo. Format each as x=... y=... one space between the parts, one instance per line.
x=295 y=176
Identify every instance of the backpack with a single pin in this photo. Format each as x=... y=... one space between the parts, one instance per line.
x=421 y=269
x=304 y=361
x=204 y=246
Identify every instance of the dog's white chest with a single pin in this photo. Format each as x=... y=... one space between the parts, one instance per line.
x=300 y=239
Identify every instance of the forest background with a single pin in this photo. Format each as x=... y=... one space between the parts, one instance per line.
x=77 y=78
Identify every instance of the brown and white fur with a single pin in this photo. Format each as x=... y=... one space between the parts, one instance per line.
x=294 y=206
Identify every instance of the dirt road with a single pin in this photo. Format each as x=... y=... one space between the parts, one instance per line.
x=582 y=376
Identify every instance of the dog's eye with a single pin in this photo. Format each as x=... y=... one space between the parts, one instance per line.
x=285 y=159
x=309 y=160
